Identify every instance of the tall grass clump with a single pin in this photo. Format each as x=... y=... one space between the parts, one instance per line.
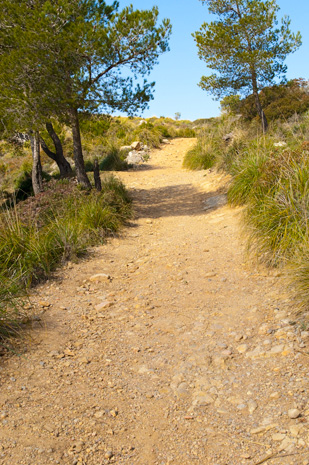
x=113 y=161
x=199 y=158
x=11 y=310
x=278 y=217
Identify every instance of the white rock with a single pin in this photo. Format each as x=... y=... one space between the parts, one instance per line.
x=242 y=348
x=293 y=413
x=252 y=406
x=136 y=145
x=278 y=437
x=135 y=158
x=101 y=277
x=280 y=144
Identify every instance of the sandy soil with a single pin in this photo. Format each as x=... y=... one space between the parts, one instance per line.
x=166 y=346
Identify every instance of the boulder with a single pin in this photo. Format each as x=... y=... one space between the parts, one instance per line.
x=136 y=145
x=135 y=158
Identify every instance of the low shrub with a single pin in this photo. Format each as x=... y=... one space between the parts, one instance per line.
x=199 y=158
x=277 y=217
x=39 y=234
x=113 y=161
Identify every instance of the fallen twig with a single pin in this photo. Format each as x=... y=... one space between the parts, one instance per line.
x=302 y=352
x=275 y=456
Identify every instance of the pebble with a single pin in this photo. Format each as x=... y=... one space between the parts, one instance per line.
x=109 y=455
x=44 y=304
x=100 y=277
x=252 y=406
x=103 y=305
x=295 y=430
x=293 y=413
x=242 y=348
x=278 y=437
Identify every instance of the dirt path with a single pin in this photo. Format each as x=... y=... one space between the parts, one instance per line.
x=184 y=355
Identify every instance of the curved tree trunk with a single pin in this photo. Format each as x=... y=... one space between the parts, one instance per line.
x=78 y=151
x=58 y=157
x=37 y=180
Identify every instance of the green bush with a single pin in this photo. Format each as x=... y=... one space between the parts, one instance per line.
x=113 y=161
x=185 y=132
x=148 y=135
x=36 y=237
x=199 y=158
x=277 y=217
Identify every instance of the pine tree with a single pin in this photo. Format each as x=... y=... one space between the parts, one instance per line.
x=245 y=47
x=61 y=58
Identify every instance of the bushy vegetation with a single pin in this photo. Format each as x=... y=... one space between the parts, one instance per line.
x=39 y=234
x=200 y=157
x=279 y=101
x=270 y=179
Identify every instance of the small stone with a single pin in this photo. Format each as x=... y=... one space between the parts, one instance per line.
x=100 y=277
x=252 y=406
x=295 y=430
x=278 y=437
x=44 y=304
x=242 y=348
x=227 y=352
x=109 y=455
x=69 y=353
x=222 y=345
x=202 y=398
x=210 y=275
x=277 y=349
x=103 y=305
x=293 y=413
x=241 y=406
x=287 y=445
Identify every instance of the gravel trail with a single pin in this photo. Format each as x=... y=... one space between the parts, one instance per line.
x=165 y=347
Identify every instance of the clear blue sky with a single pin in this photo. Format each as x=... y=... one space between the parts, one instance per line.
x=180 y=70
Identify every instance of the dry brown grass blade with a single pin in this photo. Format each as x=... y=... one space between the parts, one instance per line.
x=303 y=353
x=274 y=456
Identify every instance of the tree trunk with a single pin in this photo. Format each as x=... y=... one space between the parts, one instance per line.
x=96 y=175
x=258 y=104
x=63 y=165
x=78 y=151
x=37 y=180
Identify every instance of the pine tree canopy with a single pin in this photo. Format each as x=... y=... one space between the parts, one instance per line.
x=246 y=46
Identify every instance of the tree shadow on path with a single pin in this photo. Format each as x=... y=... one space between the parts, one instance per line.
x=176 y=200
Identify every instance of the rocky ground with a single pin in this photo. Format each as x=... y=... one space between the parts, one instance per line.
x=166 y=346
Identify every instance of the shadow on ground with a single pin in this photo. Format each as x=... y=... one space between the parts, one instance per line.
x=177 y=200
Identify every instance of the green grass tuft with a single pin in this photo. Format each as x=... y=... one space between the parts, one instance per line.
x=199 y=158
x=37 y=236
